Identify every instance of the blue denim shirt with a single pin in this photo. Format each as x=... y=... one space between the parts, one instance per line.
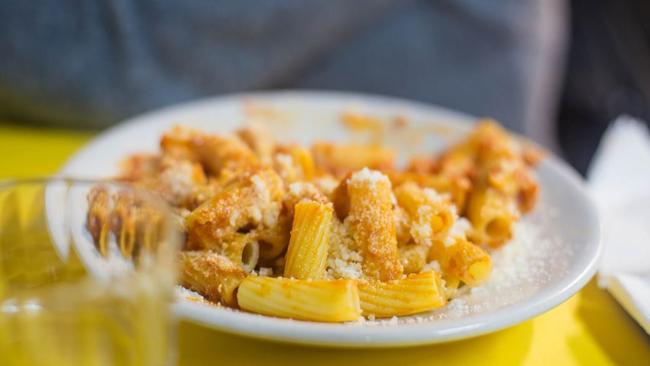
x=93 y=62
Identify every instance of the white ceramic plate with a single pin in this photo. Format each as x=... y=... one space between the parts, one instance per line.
x=553 y=255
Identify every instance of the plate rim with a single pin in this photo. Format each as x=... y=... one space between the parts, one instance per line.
x=349 y=335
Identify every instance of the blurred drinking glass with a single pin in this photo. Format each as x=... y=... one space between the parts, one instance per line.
x=87 y=274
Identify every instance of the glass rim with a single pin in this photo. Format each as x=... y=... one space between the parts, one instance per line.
x=114 y=182
x=8 y=182
x=147 y=193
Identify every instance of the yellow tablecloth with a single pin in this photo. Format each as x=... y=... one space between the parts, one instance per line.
x=588 y=329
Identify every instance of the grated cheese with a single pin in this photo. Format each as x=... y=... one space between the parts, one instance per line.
x=434 y=266
x=367 y=175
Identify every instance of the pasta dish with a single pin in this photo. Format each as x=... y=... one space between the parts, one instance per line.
x=332 y=232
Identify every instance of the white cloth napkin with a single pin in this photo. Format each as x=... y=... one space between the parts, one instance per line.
x=619 y=179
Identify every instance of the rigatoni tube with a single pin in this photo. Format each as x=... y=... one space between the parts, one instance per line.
x=372 y=224
x=308 y=245
x=411 y=295
x=463 y=260
x=317 y=300
x=492 y=216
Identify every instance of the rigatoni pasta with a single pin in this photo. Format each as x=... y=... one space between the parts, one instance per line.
x=491 y=215
x=308 y=247
x=460 y=259
x=372 y=225
x=411 y=295
x=320 y=300
x=331 y=232
x=212 y=275
x=431 y=215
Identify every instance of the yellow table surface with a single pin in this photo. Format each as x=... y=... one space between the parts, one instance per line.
x=588 y=329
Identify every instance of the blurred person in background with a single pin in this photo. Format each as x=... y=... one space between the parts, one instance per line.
x=607 y=74
x=92 y=63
